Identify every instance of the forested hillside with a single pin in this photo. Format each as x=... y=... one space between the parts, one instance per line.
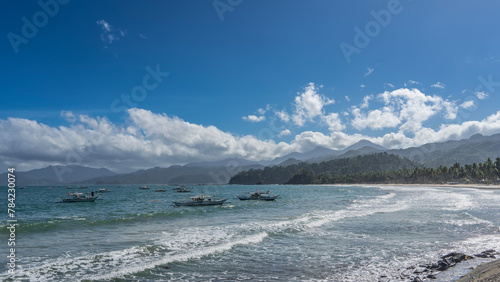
x=487 y=172
x=283 y=174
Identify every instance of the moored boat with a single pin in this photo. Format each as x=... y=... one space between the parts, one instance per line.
x=102 y=190
x=200 y=200
x=258 y=195
x=79 y=197
x=144 y=187
x=160 y=190
x=181 y=189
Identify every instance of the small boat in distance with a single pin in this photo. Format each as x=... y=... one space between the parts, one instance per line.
x=181 y=189
x=200 y=200
x=69 y=187
x=79 y=197
x=160 y=190
x=22 y=187
x=102 y=190
x=258 y=195
x=144 y=187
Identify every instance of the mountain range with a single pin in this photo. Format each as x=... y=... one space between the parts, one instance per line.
x=473 y=150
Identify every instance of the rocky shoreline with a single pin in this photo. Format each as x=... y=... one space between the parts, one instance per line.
x=426 y=272
x=488 y=272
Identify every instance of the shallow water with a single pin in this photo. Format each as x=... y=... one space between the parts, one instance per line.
x=337 y=233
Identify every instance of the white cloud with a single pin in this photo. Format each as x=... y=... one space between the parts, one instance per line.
x=347 y=98
x=439 y=85
x=368 y=71
x=283 y=116
x=309 y=104
x=149 y=139
x=376 y=119
x=68 y=116
x=142 y=36
x=481 y=95
x=284 y=133
x=263 y=111
x=411 y=82
x=389 y=84
x=415 y=107
x=109 y=33
x=254 y=118
x=467 y=104
x=333 y=121
x=362 y=86
x=366 y=101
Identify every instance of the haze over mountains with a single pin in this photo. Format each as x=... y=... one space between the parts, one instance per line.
x=467 y=151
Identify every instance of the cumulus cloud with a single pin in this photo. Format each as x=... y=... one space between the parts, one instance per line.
x=284 y=133
x=283 y=116
x=263 y=111
x=150 y=139
x=147 y=140
x=376 y=119
x=439 y=85
x=254 y=118
x=467 y=104
x=333 y=121
x=414 y=107
x=366 y=101
x=481 y=95
x=309 y=104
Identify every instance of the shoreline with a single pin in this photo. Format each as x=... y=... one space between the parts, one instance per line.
x=470 y=186
x=489 y=271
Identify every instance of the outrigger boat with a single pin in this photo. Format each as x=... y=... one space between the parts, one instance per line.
x=79 y=197
x=144 y=187
x=258 y=195
x=200 y=200
x=181 y=189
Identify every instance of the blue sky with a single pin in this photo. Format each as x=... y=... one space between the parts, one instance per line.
x=86 y=82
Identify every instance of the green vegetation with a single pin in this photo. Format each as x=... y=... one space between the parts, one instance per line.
x=375 y=168
x=487 y=172
x=305 y=173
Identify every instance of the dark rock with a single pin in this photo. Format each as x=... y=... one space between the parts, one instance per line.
x=442 y=265
x=431 y=276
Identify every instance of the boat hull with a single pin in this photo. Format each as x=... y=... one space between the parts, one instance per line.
x=257 y=198
x=78 y=200
x=202 y=203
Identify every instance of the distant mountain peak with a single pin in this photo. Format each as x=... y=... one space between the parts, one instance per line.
x=364 y=143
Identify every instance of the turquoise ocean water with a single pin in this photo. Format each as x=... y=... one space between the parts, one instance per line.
x=332 y=233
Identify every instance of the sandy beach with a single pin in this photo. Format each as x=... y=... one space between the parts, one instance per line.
x=473 y=186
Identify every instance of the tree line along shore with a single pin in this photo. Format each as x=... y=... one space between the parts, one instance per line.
x=380 y=168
